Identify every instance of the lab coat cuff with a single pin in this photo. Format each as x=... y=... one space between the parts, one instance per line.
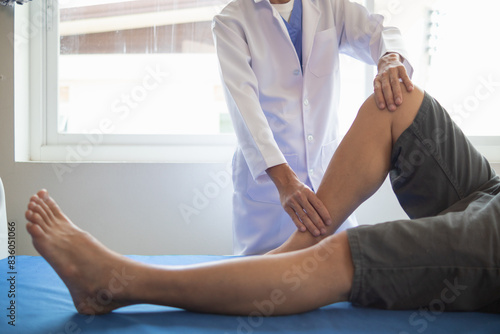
x=406 y=62
x=391 y=41
x=260 y=175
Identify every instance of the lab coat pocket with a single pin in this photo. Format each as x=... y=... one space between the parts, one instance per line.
x=267 y=192
x=324 y=59
x=327 y=152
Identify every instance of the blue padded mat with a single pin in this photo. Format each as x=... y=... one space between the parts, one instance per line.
x=43 y=305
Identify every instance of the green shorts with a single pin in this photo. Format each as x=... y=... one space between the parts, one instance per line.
x=447 y=256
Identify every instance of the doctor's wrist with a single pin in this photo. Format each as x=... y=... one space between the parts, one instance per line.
x=281 y=175
x=389 y=57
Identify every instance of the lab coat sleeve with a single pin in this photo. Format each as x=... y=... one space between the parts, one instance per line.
x=364 y=37
x=255 y=137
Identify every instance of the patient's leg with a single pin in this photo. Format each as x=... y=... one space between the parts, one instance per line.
x=100 y=280
x=360 y=164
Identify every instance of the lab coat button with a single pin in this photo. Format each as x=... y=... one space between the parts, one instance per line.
x=311 y=171
x=306 y=102
x=310 y=138
x=296 y=72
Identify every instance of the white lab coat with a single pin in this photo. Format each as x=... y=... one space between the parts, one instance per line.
x=280 y=112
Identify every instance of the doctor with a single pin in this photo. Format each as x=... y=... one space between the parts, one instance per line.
x=279 y=63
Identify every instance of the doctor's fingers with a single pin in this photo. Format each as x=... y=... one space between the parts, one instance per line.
x=321 y=209
x=291 y=212
x=317 y=211
x=396 y=76
x=403 y=74
x=390 y=88
x=309 y=217
x=379 y=93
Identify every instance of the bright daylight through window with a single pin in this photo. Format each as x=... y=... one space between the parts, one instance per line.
x=145 y=74
x=463 y=70
x=141 y=67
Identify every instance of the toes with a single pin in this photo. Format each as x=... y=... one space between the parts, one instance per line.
x=34 y=218
x=43 y=194
x=28 y=214
x=37 y=206
x=34 y=230
x=51 y=204
x=41 y=200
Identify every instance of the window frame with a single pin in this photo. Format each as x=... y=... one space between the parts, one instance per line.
x=42 y=143
x=50 y=146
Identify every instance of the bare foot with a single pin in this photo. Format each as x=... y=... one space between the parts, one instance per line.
x=95 y=276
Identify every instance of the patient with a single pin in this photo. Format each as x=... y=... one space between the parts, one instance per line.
x=446 y=255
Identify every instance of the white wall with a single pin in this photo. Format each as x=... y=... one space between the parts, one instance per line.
x=132 y=208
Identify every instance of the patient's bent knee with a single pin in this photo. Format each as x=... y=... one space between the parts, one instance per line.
x=405 y=114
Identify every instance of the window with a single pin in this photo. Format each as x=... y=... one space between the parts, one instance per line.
x=130 y=80
x=148 y=67
x=456 y=60
x=465 y=59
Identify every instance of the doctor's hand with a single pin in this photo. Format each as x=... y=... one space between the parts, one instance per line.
x=387 y=82
x=299 y=201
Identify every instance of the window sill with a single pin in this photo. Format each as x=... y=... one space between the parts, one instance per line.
x=76 y=154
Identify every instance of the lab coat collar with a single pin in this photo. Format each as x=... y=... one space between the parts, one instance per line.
x=310 y=20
